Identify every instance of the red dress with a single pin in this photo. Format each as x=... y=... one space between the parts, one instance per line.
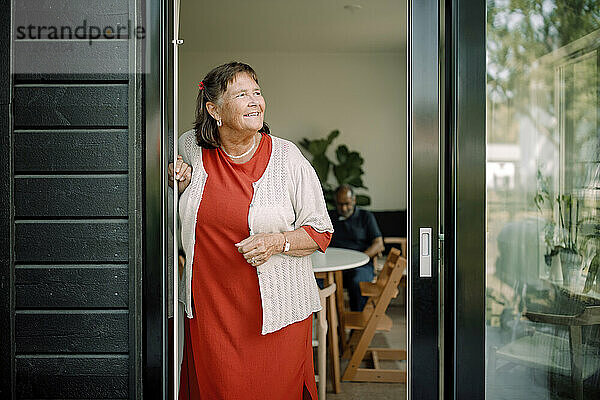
x=225 y=354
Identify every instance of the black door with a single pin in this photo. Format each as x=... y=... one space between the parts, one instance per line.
x=523 y=187
x=73 y=180
x=423 y=200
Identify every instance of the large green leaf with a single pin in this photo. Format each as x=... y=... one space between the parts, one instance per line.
x=321 y=164
x=332 y=136
x=305 y=143
x=318 y=147
x=592 y=273
x=354 y=159
x=356 y=181
x=329 y=195
x=348 y=169
x=363 y=200
x=341 y=153
x=341 y=173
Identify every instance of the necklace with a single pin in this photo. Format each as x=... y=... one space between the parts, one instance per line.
x=241 y=155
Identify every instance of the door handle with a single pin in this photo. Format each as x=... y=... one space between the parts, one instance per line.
x=425 y=252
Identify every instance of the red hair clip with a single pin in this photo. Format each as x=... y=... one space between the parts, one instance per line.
x=201 y=85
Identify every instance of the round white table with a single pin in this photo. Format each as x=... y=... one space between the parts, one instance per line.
x=336 y=259
x=329 y=266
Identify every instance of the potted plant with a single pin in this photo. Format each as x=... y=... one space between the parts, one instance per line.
x=347 y=169
x=590 y=229
x=568 y=215
x=591 y=245
x=545 y=197
x=561 y=238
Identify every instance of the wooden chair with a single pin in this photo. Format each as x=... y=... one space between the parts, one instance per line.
x=541 y=350
x=365 y=323
x=321 y=340
x=397 y=240
x=403 y=247
x=391 y=240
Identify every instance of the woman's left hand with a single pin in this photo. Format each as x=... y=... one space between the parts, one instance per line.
x=257 y=249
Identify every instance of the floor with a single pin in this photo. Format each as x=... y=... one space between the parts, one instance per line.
x=396 y=338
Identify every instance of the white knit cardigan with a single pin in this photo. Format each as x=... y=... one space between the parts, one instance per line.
x=287 y=196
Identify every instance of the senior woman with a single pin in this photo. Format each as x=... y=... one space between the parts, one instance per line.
x=252 y=211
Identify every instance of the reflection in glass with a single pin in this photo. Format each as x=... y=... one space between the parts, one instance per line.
x=543 y=200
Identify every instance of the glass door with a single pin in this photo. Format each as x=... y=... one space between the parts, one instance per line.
x=523 y=254
x=542 y=319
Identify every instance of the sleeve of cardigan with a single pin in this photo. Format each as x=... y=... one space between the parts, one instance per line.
x=182 y=151
x=181 y=144
x=307 y=195
x=322 y=239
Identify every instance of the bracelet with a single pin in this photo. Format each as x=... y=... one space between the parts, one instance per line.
x=286 y=244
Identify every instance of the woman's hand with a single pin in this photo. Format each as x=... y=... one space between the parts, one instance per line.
x=183 y=174
x=257 y=249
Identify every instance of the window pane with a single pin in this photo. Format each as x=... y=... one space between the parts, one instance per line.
x=543 y=200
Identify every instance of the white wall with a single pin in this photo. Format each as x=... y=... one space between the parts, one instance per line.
x=310 y=94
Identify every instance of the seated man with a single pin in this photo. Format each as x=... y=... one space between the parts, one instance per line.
x=355 y=229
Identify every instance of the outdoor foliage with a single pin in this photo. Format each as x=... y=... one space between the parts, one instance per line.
x=570 y=233
x=529 y=82
x=567 y=211
x=523 y=31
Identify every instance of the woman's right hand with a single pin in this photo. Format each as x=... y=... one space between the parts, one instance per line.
x=183 y=174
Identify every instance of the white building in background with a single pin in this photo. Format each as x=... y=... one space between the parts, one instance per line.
x=501 y=165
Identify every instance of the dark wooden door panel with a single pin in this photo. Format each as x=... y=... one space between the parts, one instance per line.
x=98 y=150
x=72 y=114
x=72 y=377
x=98 y=61
x=73 y=286
x=56 y=332
x=78 y=241
x=6 y=224
x=59 y=105
x=85 y=195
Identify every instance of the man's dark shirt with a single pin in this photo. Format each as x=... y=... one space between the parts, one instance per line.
x=356 y=232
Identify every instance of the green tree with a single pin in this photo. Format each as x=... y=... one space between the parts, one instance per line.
x=519 y=33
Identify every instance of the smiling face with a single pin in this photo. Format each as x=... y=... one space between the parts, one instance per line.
x=242 y=107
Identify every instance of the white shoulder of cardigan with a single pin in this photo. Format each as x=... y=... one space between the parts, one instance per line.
x=188 y=138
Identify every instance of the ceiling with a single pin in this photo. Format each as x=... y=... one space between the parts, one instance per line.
x=293 y=26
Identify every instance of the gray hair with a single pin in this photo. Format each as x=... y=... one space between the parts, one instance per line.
x=345 y=187
x=214 y=86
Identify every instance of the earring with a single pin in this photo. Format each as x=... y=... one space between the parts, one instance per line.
x=219 y=123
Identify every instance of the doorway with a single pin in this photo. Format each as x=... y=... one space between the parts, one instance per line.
x=322 y=67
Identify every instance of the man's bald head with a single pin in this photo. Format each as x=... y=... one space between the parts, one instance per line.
x=345 y=200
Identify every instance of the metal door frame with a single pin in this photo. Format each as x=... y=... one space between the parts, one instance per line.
x=423 y=177
x=156 y=89
x=446 y=153
x=465 y=192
